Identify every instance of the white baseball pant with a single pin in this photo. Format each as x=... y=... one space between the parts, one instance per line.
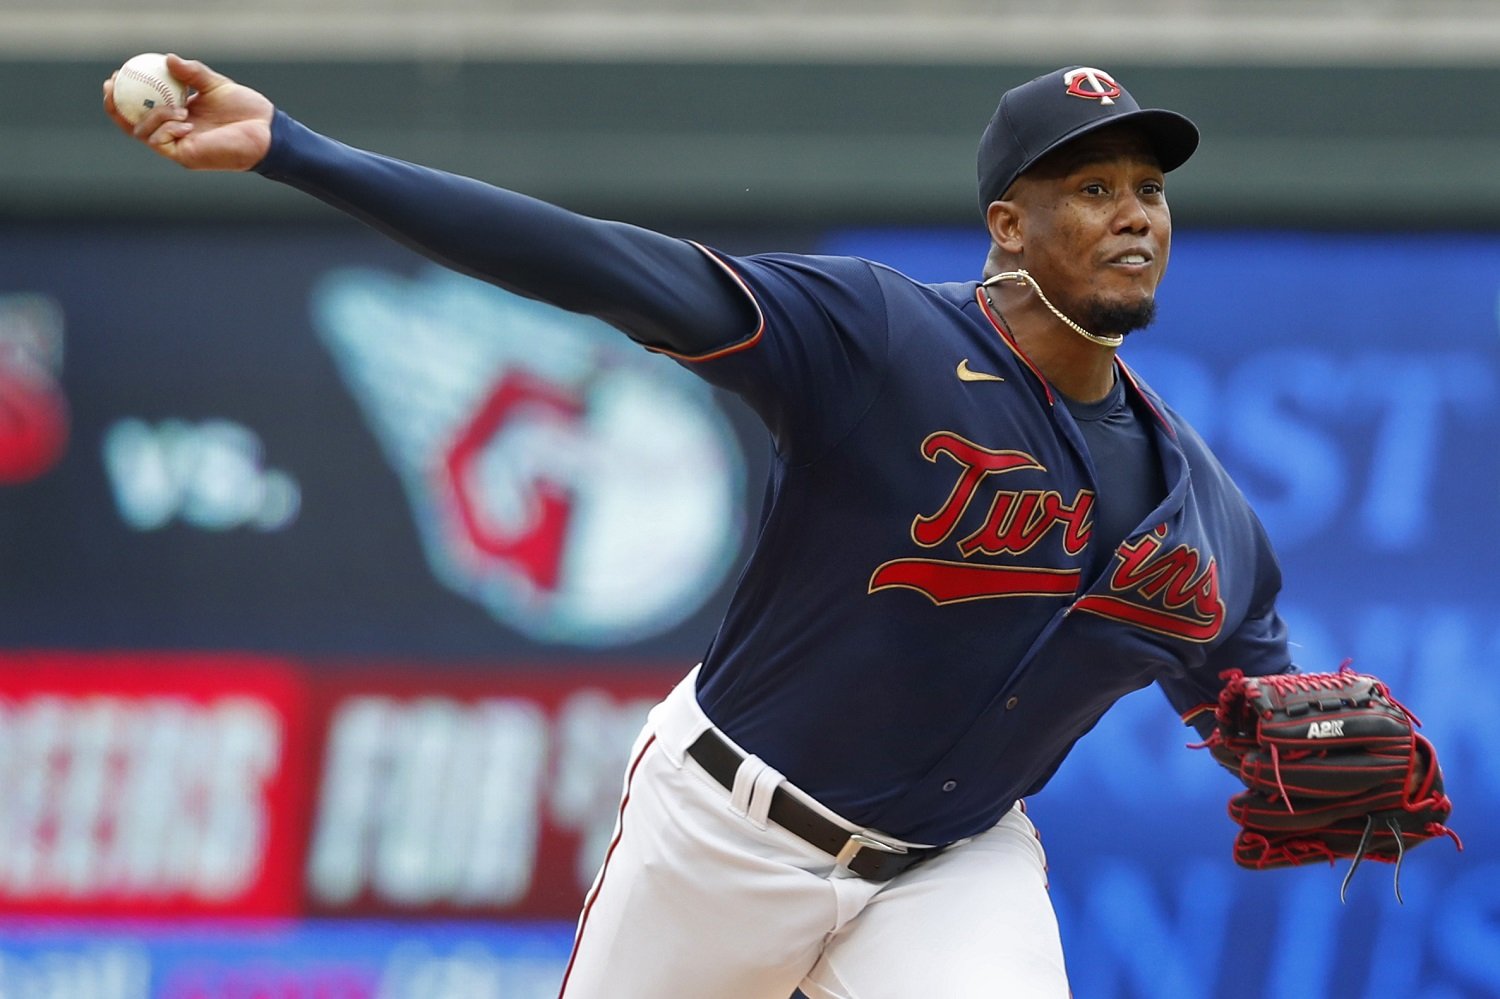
x=700 y=896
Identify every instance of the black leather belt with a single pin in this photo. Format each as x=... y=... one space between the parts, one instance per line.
x=868 y=858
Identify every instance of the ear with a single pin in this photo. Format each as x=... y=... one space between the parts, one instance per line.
x=1004 y=219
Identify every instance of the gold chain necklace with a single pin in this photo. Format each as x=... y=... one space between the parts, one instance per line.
x=1021 y=275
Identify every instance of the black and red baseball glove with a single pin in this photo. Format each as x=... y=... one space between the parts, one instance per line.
x=1333 y=767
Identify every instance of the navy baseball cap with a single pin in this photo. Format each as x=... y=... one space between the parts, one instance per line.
x=1037 y=117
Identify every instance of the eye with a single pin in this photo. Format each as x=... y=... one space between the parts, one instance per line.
x=1095 y=188
x=1153 y=189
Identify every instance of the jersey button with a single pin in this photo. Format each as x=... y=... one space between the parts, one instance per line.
x=949 y=785
x=1011 y=704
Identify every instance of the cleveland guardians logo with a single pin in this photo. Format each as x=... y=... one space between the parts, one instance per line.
x=1092 y=84
x=1171 y=590
x=581 y=490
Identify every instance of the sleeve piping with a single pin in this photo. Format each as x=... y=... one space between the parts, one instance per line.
x=1192 y=714
x=734 y=348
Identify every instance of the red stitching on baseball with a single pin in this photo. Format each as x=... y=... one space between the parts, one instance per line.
x=167 y=96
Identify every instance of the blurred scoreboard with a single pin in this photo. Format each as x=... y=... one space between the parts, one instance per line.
x=335 y=588
x=217 y=785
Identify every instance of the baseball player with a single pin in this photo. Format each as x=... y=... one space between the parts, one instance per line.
x=981 y=530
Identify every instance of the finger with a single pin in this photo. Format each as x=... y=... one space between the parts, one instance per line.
x=148 y=126
x=168 y=134
x=194 y=73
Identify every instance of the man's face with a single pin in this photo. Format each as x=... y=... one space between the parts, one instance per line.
x=1095 y=229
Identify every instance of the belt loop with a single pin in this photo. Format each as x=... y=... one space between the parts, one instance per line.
x=766 y=783
x=740 y=796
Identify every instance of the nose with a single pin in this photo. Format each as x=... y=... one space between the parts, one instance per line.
x=1131 y=215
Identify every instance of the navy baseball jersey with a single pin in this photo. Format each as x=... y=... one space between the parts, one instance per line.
x=921 y=564
x=928 y=622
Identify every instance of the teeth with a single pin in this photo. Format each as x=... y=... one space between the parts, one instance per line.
x=1133 y=258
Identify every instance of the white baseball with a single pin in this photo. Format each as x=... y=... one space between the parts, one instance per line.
x=143 y=84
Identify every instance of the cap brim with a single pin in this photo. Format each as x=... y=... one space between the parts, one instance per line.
x=1173 y=137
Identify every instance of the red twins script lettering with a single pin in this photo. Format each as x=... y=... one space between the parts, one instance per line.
x=1015 y=523
x=1182 y=587
x=1177 y=577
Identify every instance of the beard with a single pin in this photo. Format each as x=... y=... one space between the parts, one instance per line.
x=1116 y=318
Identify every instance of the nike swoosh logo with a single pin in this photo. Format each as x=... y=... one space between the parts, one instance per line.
x=967 y=374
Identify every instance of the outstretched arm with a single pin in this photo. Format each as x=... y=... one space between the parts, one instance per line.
x=664 y=292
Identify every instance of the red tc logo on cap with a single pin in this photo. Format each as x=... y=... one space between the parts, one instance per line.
x=1093 y=84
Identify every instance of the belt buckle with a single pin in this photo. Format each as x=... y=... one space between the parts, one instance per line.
x=858 y=842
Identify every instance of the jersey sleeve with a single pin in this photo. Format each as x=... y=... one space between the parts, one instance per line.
x=816 y=359
x=1258 y=647
x=661 y=291
x=797 y=337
